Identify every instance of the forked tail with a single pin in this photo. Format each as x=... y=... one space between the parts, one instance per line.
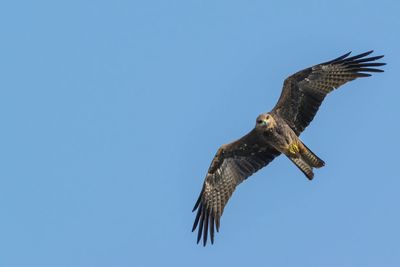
x=303 y=166
x=306 y=160
x=312 y=159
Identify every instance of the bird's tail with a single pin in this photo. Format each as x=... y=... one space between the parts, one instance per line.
x=303 y=166
x=306 y=160
x=312 y=159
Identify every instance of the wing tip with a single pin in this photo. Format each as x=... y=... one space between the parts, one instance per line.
x=362 y=57
x=205 y=221
x=361 y=65
x=362 y=75
x=338 y=58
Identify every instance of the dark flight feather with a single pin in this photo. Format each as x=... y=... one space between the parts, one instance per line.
x=304 y=91
x=232 y=164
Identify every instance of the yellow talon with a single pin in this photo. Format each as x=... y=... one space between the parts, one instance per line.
x=293 y=148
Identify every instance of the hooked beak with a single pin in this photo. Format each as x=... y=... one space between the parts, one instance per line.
x=264 y=122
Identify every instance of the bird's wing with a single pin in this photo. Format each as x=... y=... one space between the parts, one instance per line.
x=304 y=91
x=232 y=164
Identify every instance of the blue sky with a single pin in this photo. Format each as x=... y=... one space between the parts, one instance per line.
x=111 y=112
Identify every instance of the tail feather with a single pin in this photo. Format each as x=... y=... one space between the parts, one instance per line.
x=303 y=166
x=312 y=159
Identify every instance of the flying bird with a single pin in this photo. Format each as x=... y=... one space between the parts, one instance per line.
x=275 y=133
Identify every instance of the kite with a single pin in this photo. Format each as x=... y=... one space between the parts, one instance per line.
x=276 y=132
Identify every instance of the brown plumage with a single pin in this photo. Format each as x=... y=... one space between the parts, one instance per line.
x=304 y=91
x=275 y=133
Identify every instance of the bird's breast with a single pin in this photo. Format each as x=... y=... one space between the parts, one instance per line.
x=279 y=137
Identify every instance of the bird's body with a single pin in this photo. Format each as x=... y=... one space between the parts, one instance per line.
x=276 y=132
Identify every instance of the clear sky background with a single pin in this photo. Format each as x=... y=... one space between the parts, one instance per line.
x=111 y=112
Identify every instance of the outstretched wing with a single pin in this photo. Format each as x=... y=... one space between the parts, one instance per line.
x=232 y=164
x=304 y=91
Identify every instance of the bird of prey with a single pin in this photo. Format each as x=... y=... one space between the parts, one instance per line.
x=276 y=132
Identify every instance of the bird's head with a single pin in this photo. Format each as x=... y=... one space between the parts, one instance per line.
x=265 y=121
